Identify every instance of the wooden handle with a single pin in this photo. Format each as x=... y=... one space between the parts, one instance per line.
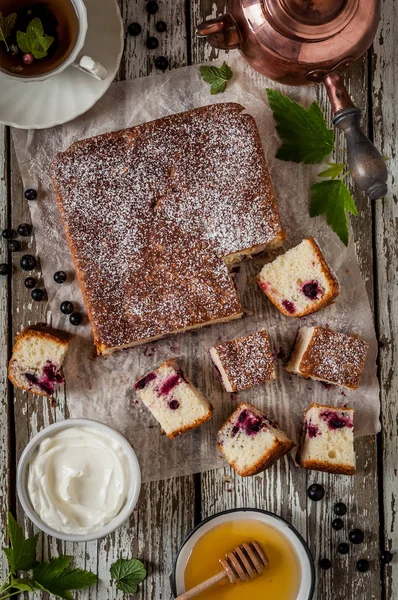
x=203 y=586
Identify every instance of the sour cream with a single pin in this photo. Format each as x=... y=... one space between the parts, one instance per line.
x=78 y=479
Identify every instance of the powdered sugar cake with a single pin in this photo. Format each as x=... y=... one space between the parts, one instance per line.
x=153 y=214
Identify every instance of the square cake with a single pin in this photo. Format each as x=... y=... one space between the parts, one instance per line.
x=329 y=356
x=37 y=357
x=154 y=214
x=244 y=362
x=300 y=281
x=174 y=402
x=327 y=439
x=251 y=442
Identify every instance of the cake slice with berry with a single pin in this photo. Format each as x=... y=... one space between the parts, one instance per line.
x=327 y=442
x=251 y=442
x=37 y=357
x=174 y=402
x=300 y=281
x=329 y=356
x=244 y=362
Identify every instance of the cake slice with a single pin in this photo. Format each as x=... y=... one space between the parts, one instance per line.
x=300 y=281
x=37 y=358
x=327 y=442
x=174 y=402
x=244 y=362
x=251 y=442
x=329 y=356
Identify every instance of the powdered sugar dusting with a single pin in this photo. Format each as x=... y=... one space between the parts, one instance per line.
x=151 y=212
x=334 y=357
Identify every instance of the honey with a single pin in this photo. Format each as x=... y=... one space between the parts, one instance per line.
x=279 y=581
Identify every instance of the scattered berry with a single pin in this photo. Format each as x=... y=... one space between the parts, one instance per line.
x=385 y=557
x=134 y=29
x=325 y=563
x=14 y=245
x=161 y=26
x=30 y=194
x=28 y=262
x=3 y=269
x=152 y=7
x=315 y=492
x=27 y=58
x=38 y=294
x=8 y=234
x=343 y=548
x=60 y=277
x=161 y=63
x=66 y=307
x=362 y=565
x=356 y=536
x=75 y=318
x=152 y=43
x=24 y=229
x=30 y=282
x=340 y=509
x=337 y=524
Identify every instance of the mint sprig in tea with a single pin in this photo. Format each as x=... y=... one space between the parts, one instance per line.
x=36 y=37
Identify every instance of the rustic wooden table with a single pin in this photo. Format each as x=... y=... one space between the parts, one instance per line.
x=167 y=510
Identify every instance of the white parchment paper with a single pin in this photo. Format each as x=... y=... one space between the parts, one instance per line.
x=102 y=388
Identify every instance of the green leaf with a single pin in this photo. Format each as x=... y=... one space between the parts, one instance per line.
x=216 y=76
x=304 y=133
x=128 y=574
x=21 y=555
x=333 y=199
x=23 y=585
x=56 y=578
x=34 y=41
x=7 y=24
x=333 y=171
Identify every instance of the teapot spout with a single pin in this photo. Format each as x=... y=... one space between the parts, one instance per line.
x=221 y=33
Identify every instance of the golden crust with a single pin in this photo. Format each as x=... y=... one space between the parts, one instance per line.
x=278 y=450
x=317 y=465
x=193 y=425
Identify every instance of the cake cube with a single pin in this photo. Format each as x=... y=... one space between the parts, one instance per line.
x=327 y=439
x=37 y=358
x=174 y=402
x=251 y=442
x=329 y=356
x=300 y=281
x=244 y=362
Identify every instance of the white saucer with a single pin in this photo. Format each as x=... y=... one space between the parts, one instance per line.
x=41 y=104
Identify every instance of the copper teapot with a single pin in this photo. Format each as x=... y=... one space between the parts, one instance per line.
x=303 y=42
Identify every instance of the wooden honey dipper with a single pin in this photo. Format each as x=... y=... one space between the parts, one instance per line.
x=244 y=562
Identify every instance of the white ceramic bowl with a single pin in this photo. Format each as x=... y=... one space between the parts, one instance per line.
x=306 y=561
x=132 y=496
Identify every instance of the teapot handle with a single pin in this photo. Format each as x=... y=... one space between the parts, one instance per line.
x=367 y=166
x=221 y=33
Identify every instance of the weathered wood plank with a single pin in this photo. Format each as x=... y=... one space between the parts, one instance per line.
x=6 y=400
x=385 y=121
x=283 y=488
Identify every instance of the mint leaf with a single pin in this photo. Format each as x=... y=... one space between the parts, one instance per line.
x=128 y=574
x=333 y=199
x=334 y=170
x=21 y=555
x=304 y=133
x=7 y=24
x=34 y=41
x=217 y=77
x=56 y=578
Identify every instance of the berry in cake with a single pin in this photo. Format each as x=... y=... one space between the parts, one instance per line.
x=174 y=402
x=328 y=356
x=37 y=359
x=327 y=440
x=300 y=281
x=244 y=362
x=251 y=442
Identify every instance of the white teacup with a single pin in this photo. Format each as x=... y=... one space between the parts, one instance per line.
x=74 y=58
